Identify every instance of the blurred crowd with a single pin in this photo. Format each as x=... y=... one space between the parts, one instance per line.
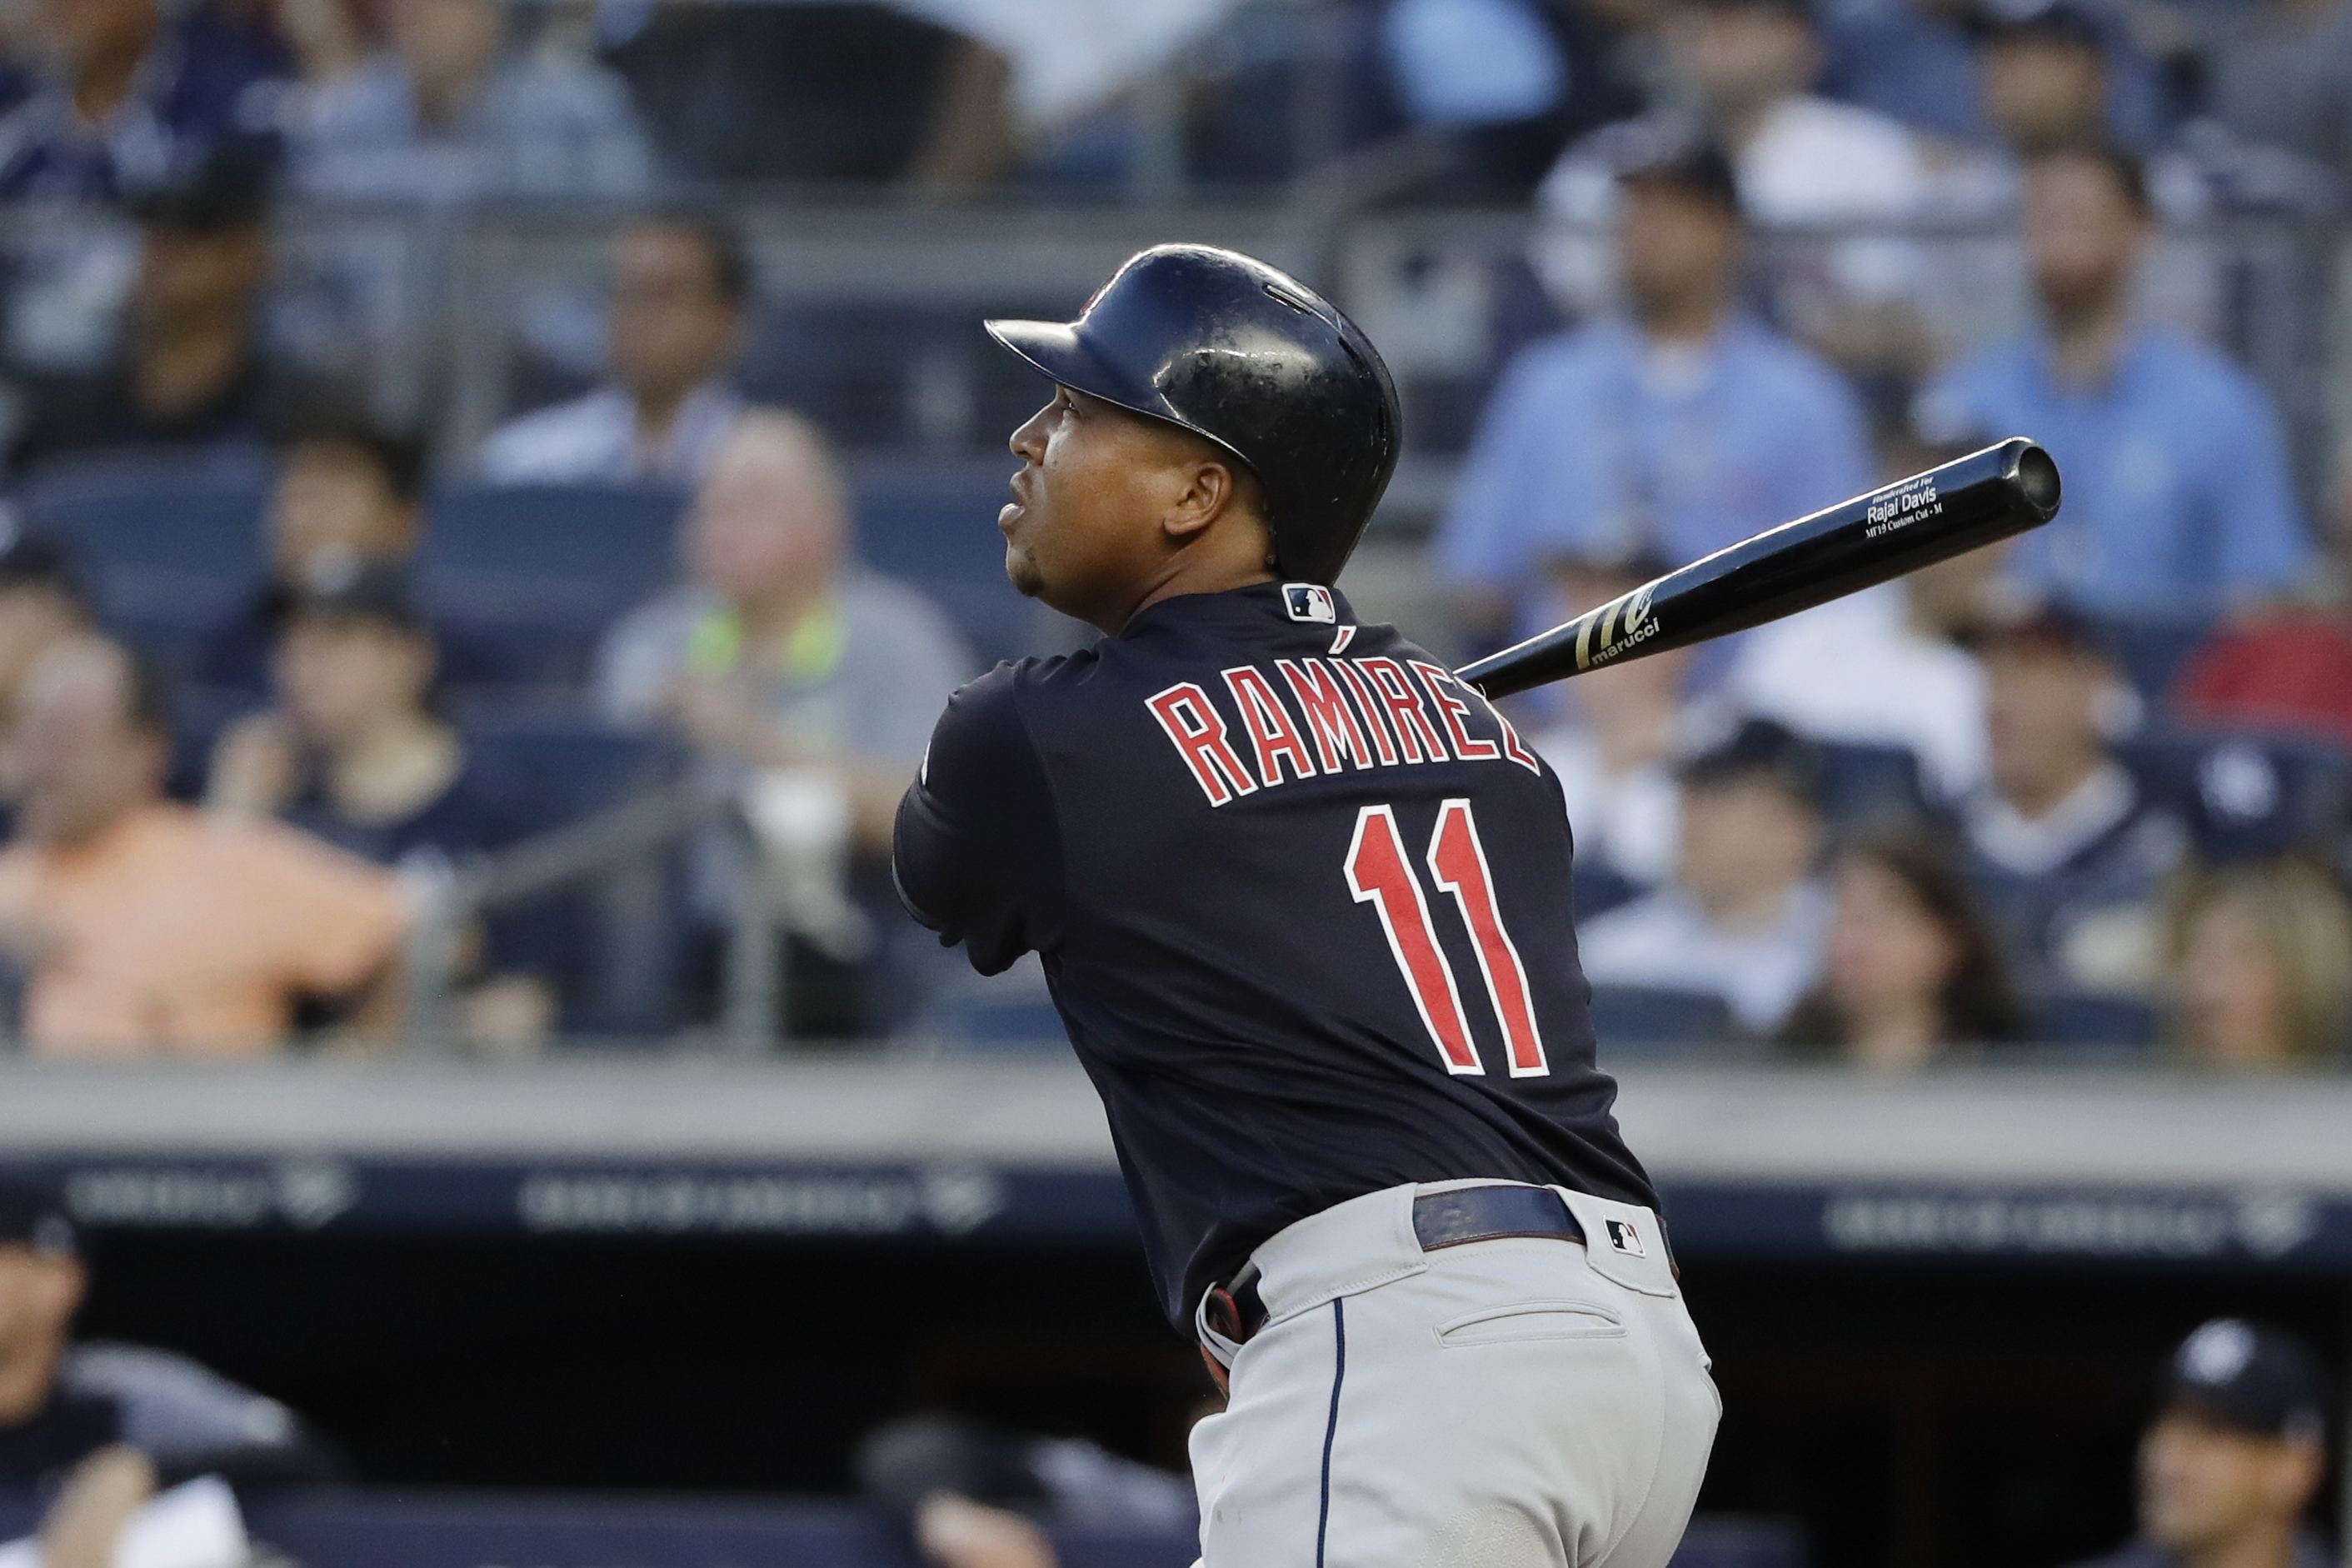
x=2091 y=790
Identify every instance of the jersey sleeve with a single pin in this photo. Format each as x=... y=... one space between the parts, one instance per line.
x=977 y=854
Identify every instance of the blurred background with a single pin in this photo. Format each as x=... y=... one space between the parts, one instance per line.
x=497 y=492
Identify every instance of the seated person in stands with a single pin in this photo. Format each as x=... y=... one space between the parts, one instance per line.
x=782 y=653
x=347 y=490
x=972 y=1494
x=2179 y=498
x=2063 y=848
x=2230 y=1467
x=356 y=753
x=43 y=601
x=192 y=373
x=1913 y=969
x=102 y=1428
x=144 y=929
x=1885 y=667
x=445 y=114
x=135 y=91
x=2258 y=960
x=681 y=289
x=1614 y=753
x=1743 y=917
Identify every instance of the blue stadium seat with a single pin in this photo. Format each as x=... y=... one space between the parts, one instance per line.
x=1595 y=890
x=2089 y=1018
x=2247 y=796
x=1866 y=783
x=1640 y=1015
x=933 y=526
x=1008 y=1014
x=170 y=545
x=627 y=929
x=2152 y=648
x=533 y=575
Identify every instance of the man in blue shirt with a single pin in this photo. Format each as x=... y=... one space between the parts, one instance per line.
x=1678 y=431
x=2179 y=499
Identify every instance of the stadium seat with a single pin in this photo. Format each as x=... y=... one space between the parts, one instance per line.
x=933 y=526
x=1008 y=1014
x=1642 y=1015
x=533 y=575
x=2089 y=1018
x=628 y=927
x=2152 y=648
x=169 y=544
x=1865 y=783
x=2247 y=796
x=1595 y=890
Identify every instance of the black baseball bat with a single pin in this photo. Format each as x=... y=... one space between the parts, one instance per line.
x=1856 y=544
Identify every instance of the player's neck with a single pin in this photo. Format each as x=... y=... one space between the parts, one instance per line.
x=1218 y=562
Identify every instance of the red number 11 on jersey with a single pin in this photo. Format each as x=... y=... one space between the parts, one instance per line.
x=1380 y=875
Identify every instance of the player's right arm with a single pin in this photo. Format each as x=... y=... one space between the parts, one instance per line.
x=976 y=853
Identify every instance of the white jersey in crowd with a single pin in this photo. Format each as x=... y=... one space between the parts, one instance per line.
x=598 y=440
x=1668 y=940
x=1856 y=670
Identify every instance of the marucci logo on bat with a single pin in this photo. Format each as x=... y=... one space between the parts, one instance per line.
x=1623 y=624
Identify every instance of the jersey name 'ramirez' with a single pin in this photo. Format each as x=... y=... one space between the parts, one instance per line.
x=1362 y=712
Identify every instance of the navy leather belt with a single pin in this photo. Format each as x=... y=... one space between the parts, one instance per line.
x=1439 y=1220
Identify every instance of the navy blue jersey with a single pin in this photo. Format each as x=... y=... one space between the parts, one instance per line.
x=1302 y=899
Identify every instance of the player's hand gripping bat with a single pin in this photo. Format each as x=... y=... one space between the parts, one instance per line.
x=1856 y=544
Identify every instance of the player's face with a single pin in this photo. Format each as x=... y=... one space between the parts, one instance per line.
x=1084 y=531
x=2204 y=1485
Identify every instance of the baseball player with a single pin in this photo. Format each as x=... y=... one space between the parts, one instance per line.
x=1303 y=902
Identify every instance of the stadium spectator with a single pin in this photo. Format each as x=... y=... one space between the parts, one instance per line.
x=348 y=490
x=192 y=373
x=355 y=755
x=444 y=115
x=2234 y=1455
x=98 y=1428
x=145 y=928
x=133 y=95
x=1743 y=918
x=1615 y=756
x=1914 y=970
x=1682 y=428
x=2283 y=75
x=2066 y=852
x=1883 y=667
x=2259 y=958
x=841 y=93
x=782 y=652
x=783 y=655
x=971 y=1494
x=2178 y=497
x=682 y=290
x=43 y=601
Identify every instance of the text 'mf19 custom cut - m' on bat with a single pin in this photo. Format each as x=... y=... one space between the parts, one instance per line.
x=1968 y=502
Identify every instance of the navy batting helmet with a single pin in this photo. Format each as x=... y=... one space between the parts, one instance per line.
x=1256 y=361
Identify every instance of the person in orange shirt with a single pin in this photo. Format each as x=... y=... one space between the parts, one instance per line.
x=147 y=928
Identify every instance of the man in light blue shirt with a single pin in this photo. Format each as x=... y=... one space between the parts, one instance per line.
x=2178 y=497
x=1677 y=432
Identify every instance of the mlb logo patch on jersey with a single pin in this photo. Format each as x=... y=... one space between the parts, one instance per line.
x=1310 y=601
x=1625 y=1238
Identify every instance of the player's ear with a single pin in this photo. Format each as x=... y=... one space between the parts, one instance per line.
x=1209 y=491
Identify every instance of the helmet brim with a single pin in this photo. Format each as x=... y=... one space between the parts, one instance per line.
x=1057 y=350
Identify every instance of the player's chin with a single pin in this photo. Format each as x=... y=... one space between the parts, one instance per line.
x=1021 y=571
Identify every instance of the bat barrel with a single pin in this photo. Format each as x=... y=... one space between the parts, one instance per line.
x=1964 y=505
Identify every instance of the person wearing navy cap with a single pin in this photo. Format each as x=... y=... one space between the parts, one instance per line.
x=107 y=1425
x=2236 y=1452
